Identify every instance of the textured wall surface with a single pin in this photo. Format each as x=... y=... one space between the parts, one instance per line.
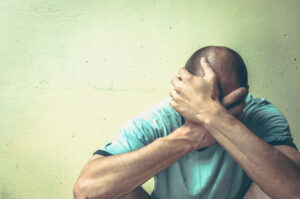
x=72 y=72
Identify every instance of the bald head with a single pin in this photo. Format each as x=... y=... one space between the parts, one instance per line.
x=227 y=64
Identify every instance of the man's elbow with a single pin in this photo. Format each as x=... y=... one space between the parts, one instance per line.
x=83 y=190
x=80 y=190
x=77 y=192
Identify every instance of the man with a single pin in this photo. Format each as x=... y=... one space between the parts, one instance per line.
x=203 y=150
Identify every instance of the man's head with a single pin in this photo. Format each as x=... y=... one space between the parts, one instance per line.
x=227 y=64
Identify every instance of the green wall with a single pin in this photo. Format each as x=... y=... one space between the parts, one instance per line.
x=72 y=72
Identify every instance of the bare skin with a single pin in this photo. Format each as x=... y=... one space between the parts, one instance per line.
x=196 y=98
x=115 y=176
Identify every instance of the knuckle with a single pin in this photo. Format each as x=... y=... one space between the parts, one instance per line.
x=174 y=97
x=188 y=77
x=183 y=77
x=177 y=89
x=172 y=103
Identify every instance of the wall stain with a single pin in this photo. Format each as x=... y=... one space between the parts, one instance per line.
x=44 y=82
x=6 y=195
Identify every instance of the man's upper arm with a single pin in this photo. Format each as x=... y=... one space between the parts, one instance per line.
x=268 y=123
x=291 y=152
x=255 y=191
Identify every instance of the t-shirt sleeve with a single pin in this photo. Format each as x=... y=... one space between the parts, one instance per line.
x=143 y=129
x=272 y=126
x=134 y=135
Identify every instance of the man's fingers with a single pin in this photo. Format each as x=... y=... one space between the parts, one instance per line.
x=235 y=96
x=208 y=71
x=173 y=104
x=184 y=74
x=176 y=82
x=237 y=109
x=174 y=95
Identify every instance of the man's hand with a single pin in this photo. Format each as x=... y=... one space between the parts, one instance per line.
x=200 y=137
x=192 y=96
x=234 y=102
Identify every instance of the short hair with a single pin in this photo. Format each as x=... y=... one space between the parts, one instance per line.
x=238 y=64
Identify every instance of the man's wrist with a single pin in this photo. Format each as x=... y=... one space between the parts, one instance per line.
x=182 y=135
x=218 y=120
x=216 y=109
x=193 y=135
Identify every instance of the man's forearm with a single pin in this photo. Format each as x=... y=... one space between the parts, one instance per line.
x=273 y=171
x=116 y=175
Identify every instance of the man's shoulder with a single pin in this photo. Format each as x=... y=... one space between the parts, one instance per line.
x=262 y=116
x=161 y=109
x=161 y=118
x=260 y=107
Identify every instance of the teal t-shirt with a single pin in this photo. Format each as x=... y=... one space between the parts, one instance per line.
x=211 y=173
